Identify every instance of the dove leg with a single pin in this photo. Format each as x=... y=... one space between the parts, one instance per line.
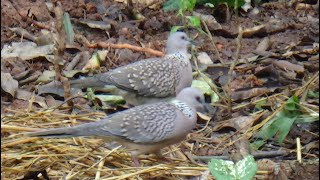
x=162 y=158
x=135 y=161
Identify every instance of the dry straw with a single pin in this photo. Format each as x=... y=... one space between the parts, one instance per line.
x=80 y=158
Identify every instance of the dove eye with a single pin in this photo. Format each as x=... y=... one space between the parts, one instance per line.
x=183 y=37
x=198 y=98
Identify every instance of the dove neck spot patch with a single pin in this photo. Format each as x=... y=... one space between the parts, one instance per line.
x=183 y=107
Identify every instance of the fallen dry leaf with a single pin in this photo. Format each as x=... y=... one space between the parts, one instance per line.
x=8 y=84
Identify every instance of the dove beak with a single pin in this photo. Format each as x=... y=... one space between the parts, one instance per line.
x=192 y=42
x=203 y=108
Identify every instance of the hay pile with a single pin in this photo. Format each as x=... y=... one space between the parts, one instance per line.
x=79 y=158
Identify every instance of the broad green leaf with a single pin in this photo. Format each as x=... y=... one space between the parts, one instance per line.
x=283 y=125
x=246 y=168
x=226 y=170
x=268 y=130
x=221 y=169
x=282 y=122
x=204 y=87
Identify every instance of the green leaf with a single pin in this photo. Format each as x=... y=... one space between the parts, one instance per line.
x=187 y=5
x=284 y=125
x=226 y=170
x=259 y=105
x=194 y=21
x=175 y=29
x=110 y=99
x=221 y=169
x=282 y=122
x=307 y=118
x=292 y=104
x=171 y=5
x=205 y=88
x=312 y=94
x=106 y=99
x=68 y=28
x=268 y=130
x=257 y=144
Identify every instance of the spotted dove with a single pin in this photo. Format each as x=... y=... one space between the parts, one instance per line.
x=145 y=128
x=153 y=77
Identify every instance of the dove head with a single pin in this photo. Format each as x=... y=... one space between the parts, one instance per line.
x=193 y=97
x=178 y=42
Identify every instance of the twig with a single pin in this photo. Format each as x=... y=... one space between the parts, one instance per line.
x=19 y=141
x=17 y=128
x=126 y=46
x=212 y=86
x=58 y=53
x=213 y=42
x=257 y=155
x=307 y=84
x=298 y=150
x=233 y=65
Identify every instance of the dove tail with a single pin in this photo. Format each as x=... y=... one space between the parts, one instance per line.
x=87 y=82
x=55 y=133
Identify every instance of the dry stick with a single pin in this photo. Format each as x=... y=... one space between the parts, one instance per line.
x=215 y=89
x=233 y=65
x=125 y=46
x=100 y=165
x=58 y=53
x=299 y=159
x=18 y=142
x=16 y=128
x=306 y=85
x=212 y=86
x=213 y=42
x=258 y=155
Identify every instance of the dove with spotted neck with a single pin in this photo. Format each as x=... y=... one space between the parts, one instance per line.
x=152 y=78
x=145 y=128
